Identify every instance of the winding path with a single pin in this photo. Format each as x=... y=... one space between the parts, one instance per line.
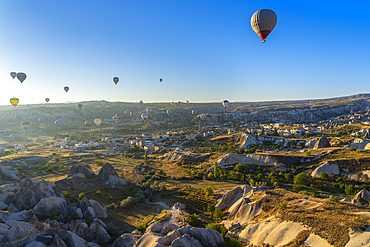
x=175 y=213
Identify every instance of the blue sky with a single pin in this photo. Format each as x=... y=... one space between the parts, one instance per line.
x=204 y=50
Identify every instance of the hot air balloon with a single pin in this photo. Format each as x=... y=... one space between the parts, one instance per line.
x=13 y=74
x=66 y=88
x=79 y=106
x=21 y=76
x=42 y=120
x=141 y=102
x=59 y=123
x=132 y=114
x=88 y=124
x=25 y=125
x=47 y=99
x=193 y=112
x=225 y=103
x=169 y=111
x=160 y=79
x=115 y=80
x=97 y=121
x=14 y=101
x=263 y=22
x=17 y=118
x=144 y=116
x=115 y=118
x=58 y=117
x=148 y=110
x=118 y=115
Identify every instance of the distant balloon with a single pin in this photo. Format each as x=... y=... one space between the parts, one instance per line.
x=148 y=110
x=115 y=118
x=79 y=106
x=193 y=112
x=66 y=88
x=115 y=80
x=132 y=114
x=58 y=117
x=187 y=102
x=17 y=118
x=59 y=123
x=160 y=79
x=225 y=103
x=25 y=125
x=169 y=111
x=21 y=76
x=13 y=74
x=14 y=101
x=88 y=124
x=141 y=102
x=97 y=121
x=263 y=22
x=42 y=120
x=118 y=115
x=47 y=99
x=144 y=116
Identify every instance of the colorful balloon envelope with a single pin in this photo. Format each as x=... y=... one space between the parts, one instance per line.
x=66 y=88
x=193 y=112
x=225 y=103
x=47 y=99
x=160 y=79
x=169 y=111
x=144 y=116
x=25 y=125
x=88 y=124
x=79 y=106
x=115 y=80
x=42 y=120
x=21 y=76
x=263 y=22
x=132 y=114
x=13 y=74
x=59 y=123
x=115 y=118
x=97 y=121
x=148 y=110
x=118 y=115
x=14 y=101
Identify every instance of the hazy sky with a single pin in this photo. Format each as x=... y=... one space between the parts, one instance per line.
x=203 y=50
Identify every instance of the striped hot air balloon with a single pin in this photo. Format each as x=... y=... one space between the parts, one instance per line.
x=263 y=22
x=14 y=101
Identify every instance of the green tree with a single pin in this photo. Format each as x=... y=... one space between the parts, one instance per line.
x=145 y=156
x=323 y=175
x=208 y=191
x=215 y=170
x=301 y=179
x=239 y=168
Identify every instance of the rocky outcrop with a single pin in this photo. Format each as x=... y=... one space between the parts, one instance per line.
x=99 y=210
x=230 y=197
x=106 y=171
x=187 y=235
x=9 y=174
x=363 y=197
x=323 y=142
x=58 y=242
x=80 y=168
x=258 y=159
x=16 y=236
x=30 y=194
x=124 y=240
x=116 y=182
x=328 y=168
x=48 y=205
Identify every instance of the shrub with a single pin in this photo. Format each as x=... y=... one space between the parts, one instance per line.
x=208 y=191
x=350 y=190
x=232 y=242
x=303 y=192
x=100 y=238
x=239 y=168
x=193 y=220
x=142 y=228
x=129 y=201
x=66 y=194
x=98 y=192
x=112 y=230
x=323 y=175
x=110 y=198
x=301 y=179
x=210 y=208
x=282 y=206
x=288 y=176
x=351 y=149
x=81 y=195
x=57 y=159
x=98 y=162
x=49 y=170
x=54 y=216
x=74 y=216
x=218 y=213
